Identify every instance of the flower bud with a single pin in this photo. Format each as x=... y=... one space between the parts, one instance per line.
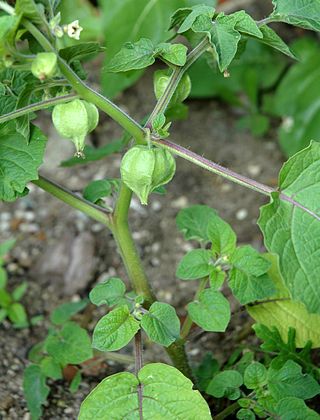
x=44 y=65
x=144 y=169
x=74 y=120
x=161 y=80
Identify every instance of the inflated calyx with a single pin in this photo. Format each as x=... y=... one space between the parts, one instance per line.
x=74 y=120
x=143 y=169
x=160 y=81
x=44 y=66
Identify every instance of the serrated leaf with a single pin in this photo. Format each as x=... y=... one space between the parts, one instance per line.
x=194 y=265
x=301 y=13
x=286 y=313
x=225 y=384
x=115 y=330
x=173 y=53
x=35 y=389
x=289 y=381
x=96 y=190
x=273 y=40
x=51 y=368
x=133 y=56
x=211 y=311
x=81 y=51
x=193 y=222
x=108 y=292
x=65 y=311
x=248 y=279
x=19 y=160
x=222 y=236
x=291 y=231
x=292 y=408
x=255 y=375
x=71 y=345
x=164 y=390
x=161 y=324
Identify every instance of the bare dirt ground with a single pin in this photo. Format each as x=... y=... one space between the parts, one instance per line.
x=62 y=253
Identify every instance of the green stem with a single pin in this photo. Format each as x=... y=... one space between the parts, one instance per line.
x=186 y=327
x=85 y=91
x=6 y=8
x=95 y=212
x=37 y=106
x=227 y=411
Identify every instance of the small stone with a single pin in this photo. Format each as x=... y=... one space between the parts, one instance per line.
x=155 y=262
x=242 y=214
x=254 y=170
x=180 y=202
x=5 y=216
x=97 y=227
x=155 y=247
x=156 y=206
x=226 y=187
x=28 y=227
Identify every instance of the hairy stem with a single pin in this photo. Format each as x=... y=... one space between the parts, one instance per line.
x=138 y=367
x=186 y=327
x=95 y=212
x=37 y=107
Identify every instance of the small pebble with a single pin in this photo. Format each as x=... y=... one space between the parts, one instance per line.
x=28 y=227
x=180 y=202
x=242 y=214
x=156 y=206
x=254 y=170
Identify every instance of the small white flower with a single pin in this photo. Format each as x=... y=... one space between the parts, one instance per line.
x=73 y=29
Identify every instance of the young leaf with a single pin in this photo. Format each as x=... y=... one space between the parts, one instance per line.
x=108 y=292
x=194 y=265
x=291 y=231
x=225 y=384
x=292 y=408
x=51 y=368
x=205 y=371
x=273 y=40
x=35 y=389
x=255 y=375
x=96 y=190
x=186 y=17
x=6 y=246
x=245 y=24
x=248 y=279
x=19 y=161
x=193 y=222
x=17 y=315
x=298 y=13
x=222 y=236
x=133 y=56
x=245 y=414
x=3 y=314
x=3 y=278
x=71 y=345
x=115 y=330
x=211 y=311
x=161 y=324
x=173 y=53
x=164 y=390
x=19 y=291
x=81 y=51
x=64 y=312
x=30 y=10
x=289 y=381
x=76 y=381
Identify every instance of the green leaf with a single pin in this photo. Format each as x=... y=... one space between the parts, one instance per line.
x=211 y=311
x=286 y=313
x=245 y=414
x=3 y=314
x=298 y=13
x=225 y=384
x=97 y=190
x=186 y=17
x=193 y=222
x=5 y=298
x=65 y=311
x=19 y=291
x=292 y=408
x=244 y=23
x=173 y=53
x=36 y=353
x=205 y=371
x=35 y=390
x=255 y=375
x=289 y=381
x=248 y=279
x=19 y=160
x=273 y=40
x=51 y=368
x=84 y=50
x=291 y=231
x=30 y=10
x=76 y=381
x=93 y=154
x=222 y=236
x=115 y=330
x=6 y=246
x=109 y=292
x=17 y=315
x=3 y=278
x=217 y=278
x=166 y=393
x=223 y=36
x=161 y=324
x=194 y=265
x=71 y=345
x=133 y=56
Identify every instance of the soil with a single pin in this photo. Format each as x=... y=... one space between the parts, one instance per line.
x=62 y=254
